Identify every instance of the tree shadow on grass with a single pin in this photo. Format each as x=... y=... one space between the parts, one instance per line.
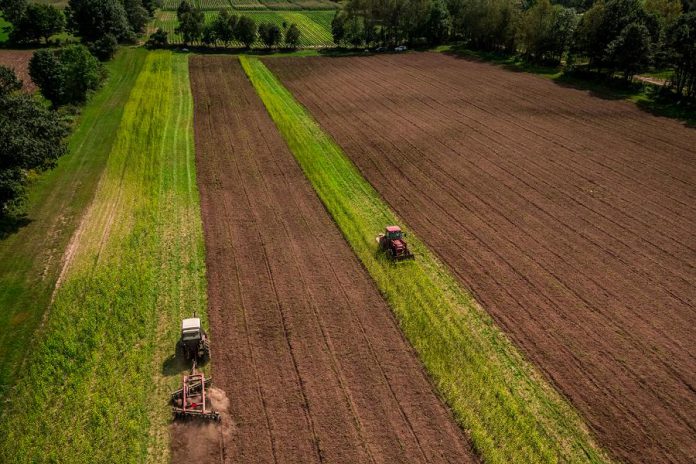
x=11 y=224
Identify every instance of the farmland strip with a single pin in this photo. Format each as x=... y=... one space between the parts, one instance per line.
x=30 y=257
x=576 y=238
x=511 y=413
x=97 y=385
x=305 y=338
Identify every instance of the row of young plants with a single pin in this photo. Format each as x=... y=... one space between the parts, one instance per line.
x=510 y=412
x=95 y=387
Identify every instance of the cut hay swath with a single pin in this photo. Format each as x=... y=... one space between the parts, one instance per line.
x=510 y=411
x=93 y=390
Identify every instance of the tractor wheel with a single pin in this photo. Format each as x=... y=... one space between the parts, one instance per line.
x=391 y=254
x=205 y=350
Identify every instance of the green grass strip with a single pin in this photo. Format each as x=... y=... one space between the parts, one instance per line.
x=511 y=413
x=96 y=386
x=30 y=256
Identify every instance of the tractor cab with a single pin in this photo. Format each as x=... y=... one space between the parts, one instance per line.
x=393 y=233
x=191 y=332
x=194 y=343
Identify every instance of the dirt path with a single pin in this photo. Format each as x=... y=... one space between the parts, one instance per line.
x=569 y=217
x=307 y=352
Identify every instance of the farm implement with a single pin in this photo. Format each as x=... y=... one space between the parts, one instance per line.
x=393 y=244
x=191 y=400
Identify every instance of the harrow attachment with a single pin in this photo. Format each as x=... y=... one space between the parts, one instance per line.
x=190 y=401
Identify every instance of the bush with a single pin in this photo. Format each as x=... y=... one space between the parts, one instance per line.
x=246 y=31
x=66 y=75
x=105 y=48
x=32 y=139
x=158 y=39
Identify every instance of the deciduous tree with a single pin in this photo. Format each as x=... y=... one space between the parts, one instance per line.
x=32 y=139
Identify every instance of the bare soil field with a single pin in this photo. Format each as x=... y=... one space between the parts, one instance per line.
x=19 y=61
x=570 y=218
x=307 y=352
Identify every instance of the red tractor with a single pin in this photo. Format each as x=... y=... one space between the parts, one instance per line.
x=392 y=242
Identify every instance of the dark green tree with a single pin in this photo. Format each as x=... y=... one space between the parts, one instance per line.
x=183 y=8
x=631 y=51
x=158 y=39
x=92 y=19
x=681 y=53
x=546 y=31
x=9 y=82
x=191 y=26
x=138 y=16
x=13 y=10
x=439 y=23
x=292 y=36
x=209 y=35
x=270 y=34
x=338 y=27
x=66 y=75
x=105 y=48
x=46 y=71
x=246 y=31
x=225 y=25
x=32 y=140
x=38 y=22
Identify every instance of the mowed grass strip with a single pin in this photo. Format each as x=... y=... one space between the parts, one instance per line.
x=510 y=411
x=96 y=386
x=31 y=252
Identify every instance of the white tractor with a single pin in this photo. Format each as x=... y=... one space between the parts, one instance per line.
x=194 y=341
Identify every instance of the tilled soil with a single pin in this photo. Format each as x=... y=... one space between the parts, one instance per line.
x=308 y=353
x=571 y=219
x=19 y=61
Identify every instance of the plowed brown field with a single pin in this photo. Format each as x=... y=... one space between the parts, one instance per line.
x=19 y=61
x=571 y=219
x=308 y=353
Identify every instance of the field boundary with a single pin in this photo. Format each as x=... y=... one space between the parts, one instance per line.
x=510 y=412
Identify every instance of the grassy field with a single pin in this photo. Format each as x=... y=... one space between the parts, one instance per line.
x=4 y=33
x=253 y=4
x=315 y=26
x=31 y=248
x=96 y=386
x=511 y=413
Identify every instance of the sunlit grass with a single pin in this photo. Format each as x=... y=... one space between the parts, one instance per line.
x=95 y=388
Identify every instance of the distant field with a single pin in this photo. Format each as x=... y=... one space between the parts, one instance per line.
x=254 y=4
x=315 y=26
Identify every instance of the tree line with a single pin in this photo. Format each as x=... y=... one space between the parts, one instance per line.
x=610 y=36
x=225 y=29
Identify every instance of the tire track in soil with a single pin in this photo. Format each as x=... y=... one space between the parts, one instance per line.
x=598 y=290
x=306 y=350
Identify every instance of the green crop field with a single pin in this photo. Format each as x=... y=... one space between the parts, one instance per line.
x=30 y=256
x=511 y=412
x=96 y=386
x=315 y=26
